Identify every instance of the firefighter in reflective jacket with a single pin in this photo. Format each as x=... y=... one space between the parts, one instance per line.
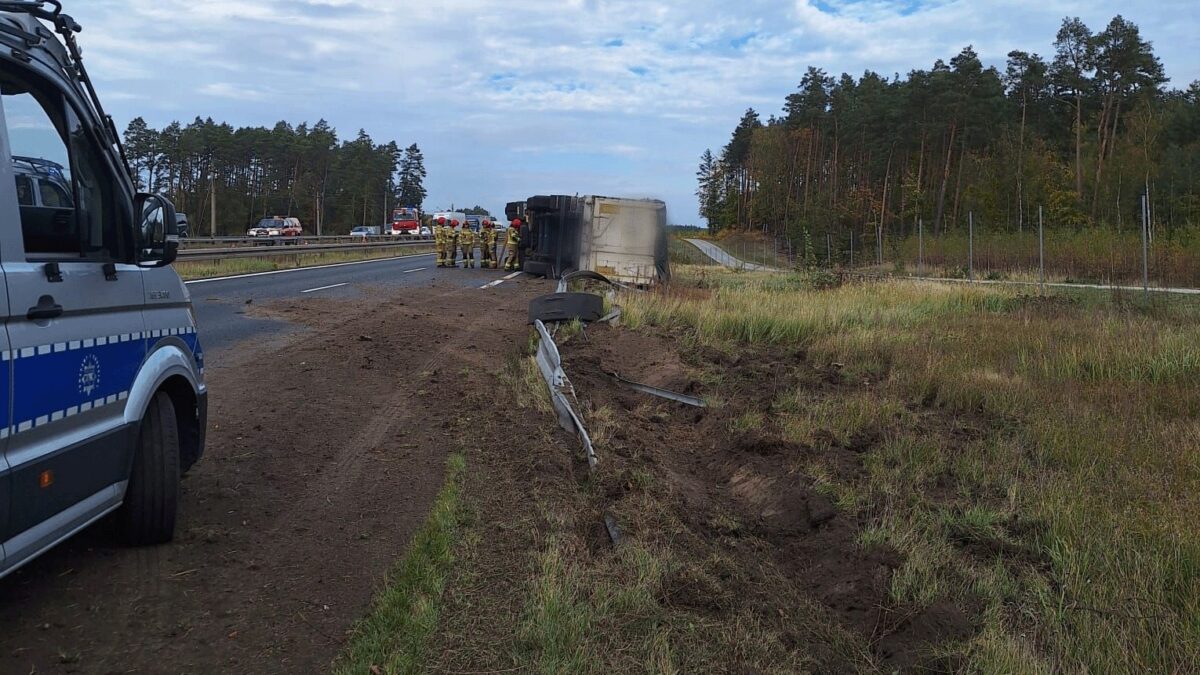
x=510 y=246
x=487 y=245
x=452 y=244
x=439 y=240
x=466 y=239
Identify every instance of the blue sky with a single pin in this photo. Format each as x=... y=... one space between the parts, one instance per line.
x=509 y=98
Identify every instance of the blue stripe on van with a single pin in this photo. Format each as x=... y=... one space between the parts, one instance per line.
x=55 y=381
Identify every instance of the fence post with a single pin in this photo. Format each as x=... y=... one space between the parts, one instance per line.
x=920 y=247
x=1041 y=253
x=879 y=245
x=970 y=246
x=851 y=249
x=828 y=250
x=1145 y=247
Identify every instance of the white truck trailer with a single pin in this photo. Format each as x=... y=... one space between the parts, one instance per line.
x=623 y=239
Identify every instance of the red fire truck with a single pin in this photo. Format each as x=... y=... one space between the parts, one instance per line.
x=406 y=222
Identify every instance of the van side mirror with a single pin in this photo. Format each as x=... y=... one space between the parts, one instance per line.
x=157 y=233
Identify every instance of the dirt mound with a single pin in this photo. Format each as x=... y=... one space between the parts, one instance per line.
x=743 y=496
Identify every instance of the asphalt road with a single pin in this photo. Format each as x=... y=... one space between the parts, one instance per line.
x=221 y=304
x=718 y=254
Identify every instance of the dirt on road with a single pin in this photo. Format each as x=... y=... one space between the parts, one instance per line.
x=325 y=450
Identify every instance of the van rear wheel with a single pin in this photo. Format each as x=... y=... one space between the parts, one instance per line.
x=152 y=496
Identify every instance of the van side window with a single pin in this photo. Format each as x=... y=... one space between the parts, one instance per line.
x=24 y=191
x=67 y=204
x=53 y=196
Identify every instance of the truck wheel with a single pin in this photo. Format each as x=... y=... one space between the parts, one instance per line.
x=152 y=496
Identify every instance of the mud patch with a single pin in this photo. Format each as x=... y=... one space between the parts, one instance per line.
x=743 y=497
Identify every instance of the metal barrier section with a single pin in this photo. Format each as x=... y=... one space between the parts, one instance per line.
x=561 y=392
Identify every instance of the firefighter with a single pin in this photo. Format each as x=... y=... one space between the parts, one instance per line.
x=466 y=239
x=510 y=246
x=440 y=240
x=453 y=244
x=487 y=245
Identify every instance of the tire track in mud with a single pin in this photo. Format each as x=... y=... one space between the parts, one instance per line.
x=325 y=452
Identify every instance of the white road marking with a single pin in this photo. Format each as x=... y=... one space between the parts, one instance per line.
x=497 y=282
x=416 y=270
x=302 y=269
x=322 y=288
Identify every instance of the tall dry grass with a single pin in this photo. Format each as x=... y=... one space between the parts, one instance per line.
x=1082 y=421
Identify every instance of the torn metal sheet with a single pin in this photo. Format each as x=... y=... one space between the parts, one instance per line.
x=593 y=276
x=561 y=392
x=659 y=392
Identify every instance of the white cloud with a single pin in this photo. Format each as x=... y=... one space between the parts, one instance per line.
x=502 y=94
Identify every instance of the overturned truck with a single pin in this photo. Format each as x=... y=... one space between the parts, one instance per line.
x=623 y=239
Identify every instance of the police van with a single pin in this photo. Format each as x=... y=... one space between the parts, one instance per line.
x=102 y=396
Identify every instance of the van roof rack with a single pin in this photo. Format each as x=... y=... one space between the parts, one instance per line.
x=42 y=167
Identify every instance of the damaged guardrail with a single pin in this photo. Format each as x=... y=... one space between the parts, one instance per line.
x=561 y=392
x=566 y=306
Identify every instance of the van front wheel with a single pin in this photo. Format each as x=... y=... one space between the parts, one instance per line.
x=152 y=496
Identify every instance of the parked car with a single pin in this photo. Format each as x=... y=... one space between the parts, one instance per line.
x=102 y=397
x=365 y=231
x=277 y=228
x=44 y=197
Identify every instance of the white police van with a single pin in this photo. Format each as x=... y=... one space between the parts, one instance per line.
x=102 y=396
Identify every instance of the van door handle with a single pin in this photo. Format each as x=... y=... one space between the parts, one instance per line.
x=45 y=309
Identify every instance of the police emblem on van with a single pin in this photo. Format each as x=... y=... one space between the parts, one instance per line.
x=89 y=375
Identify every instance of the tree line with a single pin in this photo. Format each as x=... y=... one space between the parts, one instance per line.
x=300 y=171
x=1083 y=134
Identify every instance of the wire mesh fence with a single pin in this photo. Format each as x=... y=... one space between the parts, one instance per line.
x=1131 y=256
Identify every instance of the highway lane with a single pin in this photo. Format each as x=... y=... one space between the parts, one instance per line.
x=221 y=304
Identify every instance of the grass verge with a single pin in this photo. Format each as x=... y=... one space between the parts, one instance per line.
x=206 y=269
x=393 y=636
x=1037 y=457
x=893 y=476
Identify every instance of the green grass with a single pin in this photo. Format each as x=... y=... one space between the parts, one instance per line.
x=1065 y=430
x=393 y=636
x=205 y=269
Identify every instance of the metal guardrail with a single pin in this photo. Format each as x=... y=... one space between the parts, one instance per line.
x=561 y=392
x=222 y=253
x=231 y=242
